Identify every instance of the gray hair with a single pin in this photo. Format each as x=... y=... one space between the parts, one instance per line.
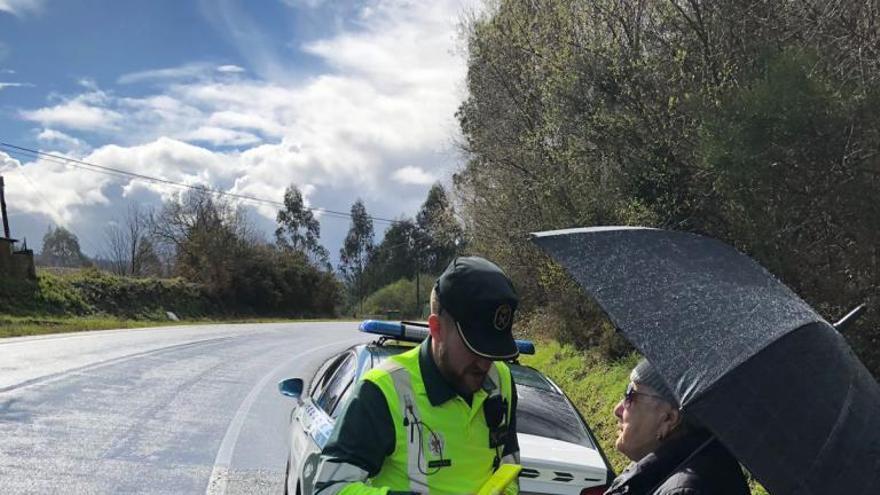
x=645 y=374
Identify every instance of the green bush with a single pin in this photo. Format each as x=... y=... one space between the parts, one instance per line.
x=94 y=292
x=147 y=298
x=49 y=294
x=400 y=296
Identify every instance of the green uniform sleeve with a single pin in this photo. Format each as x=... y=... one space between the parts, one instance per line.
x=363 y=434
x=362 y=438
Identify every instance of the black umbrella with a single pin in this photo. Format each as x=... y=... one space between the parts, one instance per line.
x=746 y=357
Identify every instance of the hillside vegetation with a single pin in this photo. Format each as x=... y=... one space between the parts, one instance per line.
x=749 y=121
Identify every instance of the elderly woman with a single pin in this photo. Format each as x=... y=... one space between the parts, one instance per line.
x=670 y=456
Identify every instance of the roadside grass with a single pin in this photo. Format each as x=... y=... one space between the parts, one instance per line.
x=594 y=386
x=89 y=299
x=16 y=326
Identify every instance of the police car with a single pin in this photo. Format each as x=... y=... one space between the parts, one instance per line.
x=558 y=452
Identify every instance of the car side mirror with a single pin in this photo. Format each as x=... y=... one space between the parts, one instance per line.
x=292 y=387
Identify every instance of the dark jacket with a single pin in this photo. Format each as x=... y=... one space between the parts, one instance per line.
x=669 y=471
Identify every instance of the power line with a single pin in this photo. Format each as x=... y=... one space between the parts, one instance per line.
x=93 y=167
x=51 y=205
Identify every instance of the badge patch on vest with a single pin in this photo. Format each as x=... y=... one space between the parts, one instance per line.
x=435 y=444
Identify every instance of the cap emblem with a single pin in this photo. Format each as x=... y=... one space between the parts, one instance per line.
x=503 y=315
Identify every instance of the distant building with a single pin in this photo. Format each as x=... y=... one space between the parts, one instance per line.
x=13 y=264
x=16 y=264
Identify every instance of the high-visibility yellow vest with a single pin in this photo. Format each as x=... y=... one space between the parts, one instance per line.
x=441 y=449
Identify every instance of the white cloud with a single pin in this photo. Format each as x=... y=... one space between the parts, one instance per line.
x=187 y=71
x=21 y=7
x=388 y=102
x=233 y=69
x=53 y=137
x=51 y=188
x=219 y=136
x=169 y=159
x=4 y=85
x=303 y=3
x=413 y=175
x=7 y=162
x=242 y=120
x=84 y=112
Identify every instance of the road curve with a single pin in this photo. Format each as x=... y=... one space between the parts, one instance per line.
x=190 y=409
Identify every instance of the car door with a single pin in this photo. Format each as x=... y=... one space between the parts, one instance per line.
x=325 y=394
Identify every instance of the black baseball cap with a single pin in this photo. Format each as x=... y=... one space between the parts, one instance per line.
x=481 y=300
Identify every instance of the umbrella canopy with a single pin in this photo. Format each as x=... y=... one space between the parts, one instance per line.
x=745 y=356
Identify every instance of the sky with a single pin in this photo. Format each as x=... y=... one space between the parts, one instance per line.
x=345 y=99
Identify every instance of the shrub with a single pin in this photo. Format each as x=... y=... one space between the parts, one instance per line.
x=401 y=296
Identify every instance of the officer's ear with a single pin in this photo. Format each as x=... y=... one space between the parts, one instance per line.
x=434 y=327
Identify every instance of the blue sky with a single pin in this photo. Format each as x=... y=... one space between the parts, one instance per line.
x=345 y=99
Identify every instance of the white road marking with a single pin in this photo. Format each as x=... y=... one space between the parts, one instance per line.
x=220 y=473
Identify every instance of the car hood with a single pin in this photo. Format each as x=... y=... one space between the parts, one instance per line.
x=556 y=460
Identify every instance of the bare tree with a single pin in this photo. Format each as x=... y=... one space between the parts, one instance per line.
x=206 y=234
x=128 y=245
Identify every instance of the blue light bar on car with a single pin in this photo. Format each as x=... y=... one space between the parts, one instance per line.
x=417 y=333
x=386 y=328
x=525 y=346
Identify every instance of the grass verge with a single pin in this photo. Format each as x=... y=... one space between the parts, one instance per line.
x=15 y=326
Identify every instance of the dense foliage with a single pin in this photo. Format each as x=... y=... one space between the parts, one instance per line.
x=91 y=291
x=410 y=249
x=750 y=121
x=220 y=267
x=212 y=244
x=397 y=300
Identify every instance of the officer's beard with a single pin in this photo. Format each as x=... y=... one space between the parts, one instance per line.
x=465 y=381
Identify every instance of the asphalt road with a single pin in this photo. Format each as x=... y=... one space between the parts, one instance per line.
x=168 y=410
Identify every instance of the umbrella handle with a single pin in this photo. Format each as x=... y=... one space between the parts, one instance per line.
x=850 y=317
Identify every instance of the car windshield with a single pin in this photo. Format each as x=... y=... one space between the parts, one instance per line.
x=544 y=412
x=540 y=411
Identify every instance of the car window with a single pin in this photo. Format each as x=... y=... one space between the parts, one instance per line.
x=323 y=375
x=531 y=377
x=548 y=414
x=338 y=384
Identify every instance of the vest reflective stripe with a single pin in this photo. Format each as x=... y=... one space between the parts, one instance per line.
x=332 y=477
x=418 y=481
x=462 y=434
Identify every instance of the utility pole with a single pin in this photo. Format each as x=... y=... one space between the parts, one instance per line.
x=3 y=208
x=418 y=299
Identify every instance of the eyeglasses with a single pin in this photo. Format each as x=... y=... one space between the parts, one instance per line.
x=630 y=394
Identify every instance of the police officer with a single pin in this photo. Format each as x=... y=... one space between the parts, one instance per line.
x=441 y=417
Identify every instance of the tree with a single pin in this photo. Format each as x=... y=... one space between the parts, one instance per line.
x=749 y=121
x=394 y=258
x=207 y=235
x=61 y=248
x=128 y=246
x=439 y=237
x=356 y=251
x=298 y=229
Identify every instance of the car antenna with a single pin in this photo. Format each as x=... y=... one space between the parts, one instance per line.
x=845 y=322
